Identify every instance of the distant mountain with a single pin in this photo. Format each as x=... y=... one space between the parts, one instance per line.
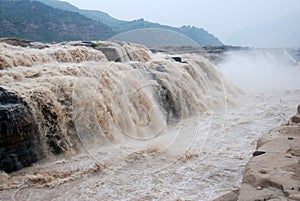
x=36 y=21
x=152 y=37
x=283 y=32
x=199 y=35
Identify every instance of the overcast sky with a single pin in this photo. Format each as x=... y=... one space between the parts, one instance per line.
x=220 y=17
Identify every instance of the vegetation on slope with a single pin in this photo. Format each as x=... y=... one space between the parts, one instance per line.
x=36 y=21
x=199 y=35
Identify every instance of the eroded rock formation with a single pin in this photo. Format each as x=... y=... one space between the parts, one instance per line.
x=19 y=135
x=274 y=171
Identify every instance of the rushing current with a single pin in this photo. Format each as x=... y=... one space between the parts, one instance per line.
x=117 y=122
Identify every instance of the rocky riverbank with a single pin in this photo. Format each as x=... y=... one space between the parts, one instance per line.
x=273 y=173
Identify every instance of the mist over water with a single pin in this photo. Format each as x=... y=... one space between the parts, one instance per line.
x=260 y=70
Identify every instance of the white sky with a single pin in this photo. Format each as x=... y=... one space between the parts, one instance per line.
x=220 y=17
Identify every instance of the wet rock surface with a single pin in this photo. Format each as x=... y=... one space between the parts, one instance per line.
x=231 y=196
x=18 y=133
x=122 y=51
x=16 y=42
x=214 y=54
x=275 y=175
x=23 y=43
x=296 y=117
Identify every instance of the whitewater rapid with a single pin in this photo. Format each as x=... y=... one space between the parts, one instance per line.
x=207 y=170
x=198 y=156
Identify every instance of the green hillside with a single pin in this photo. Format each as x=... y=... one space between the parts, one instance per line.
x=36 y=21
x=199 y=35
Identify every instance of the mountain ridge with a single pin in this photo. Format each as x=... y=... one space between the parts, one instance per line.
x=199 y=35
x=58 y=21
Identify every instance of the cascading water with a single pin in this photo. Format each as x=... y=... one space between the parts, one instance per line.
x=78 y=97
x=116 y=122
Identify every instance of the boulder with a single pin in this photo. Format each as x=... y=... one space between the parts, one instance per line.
x=113 y=54
x=123 y=51
x=177 y=59
x=296 y=118
x=19 y=141
x=113 y=51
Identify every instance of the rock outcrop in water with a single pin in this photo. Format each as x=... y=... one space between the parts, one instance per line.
x=23 y=43
x=123 y=51
x=274 y=171
x=214 y=54
x=19 y=134
x=88 y=94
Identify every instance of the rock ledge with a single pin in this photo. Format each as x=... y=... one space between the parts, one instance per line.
x=275 y=173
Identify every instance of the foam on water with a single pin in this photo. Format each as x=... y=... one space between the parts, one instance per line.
x=79 y=98
x=146 y=128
